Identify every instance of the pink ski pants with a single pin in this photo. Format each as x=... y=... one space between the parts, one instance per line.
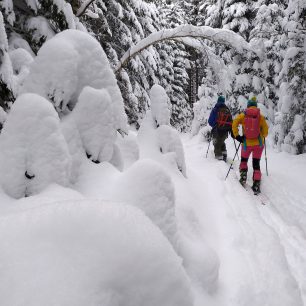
x=245 y=154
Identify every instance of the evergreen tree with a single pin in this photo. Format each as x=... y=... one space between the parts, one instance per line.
x=172 y=70
x=211 y=13
x=238 y=16
x=124 y=24
x=267 y=32
x=6 y=70
x=291 y=132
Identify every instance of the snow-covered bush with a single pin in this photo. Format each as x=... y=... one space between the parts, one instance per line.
x=202 y=108
x=201 y=111
x=162 y=144
x=88 y=253
x=75 y=146
x=294 y=140
x=117 y=158
x=21 y=60
x=201 y=263
x=33 y=151
x=129 y=149
x=146 y=185
x=67 y=63
x=95 y=120
x=169 y=141
x=160 y=105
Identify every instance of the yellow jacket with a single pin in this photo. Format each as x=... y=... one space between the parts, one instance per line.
x=263 y=128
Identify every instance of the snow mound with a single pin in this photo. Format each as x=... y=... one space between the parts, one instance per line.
x=33 y=151
x=67 y=63
x=94 y=117
x=75 y=146
x=117 y=158
x=21 y=59
x=88 y=253
x=147 y=186
x=169 y=141
x=159 y=105
x=129 y=149
x=201 y=262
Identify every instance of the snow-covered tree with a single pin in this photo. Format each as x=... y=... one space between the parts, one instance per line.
x=95 y=120
x=160 y=104
x=6 y=69
x=173 y=70
x=33 y=151
x=169 y=142
x=207 y=98
x=65 y=65
x=124 y=24
x=237 y=16
x=291 y=131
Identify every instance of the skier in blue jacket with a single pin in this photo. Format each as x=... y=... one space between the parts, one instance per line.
x=220 y=120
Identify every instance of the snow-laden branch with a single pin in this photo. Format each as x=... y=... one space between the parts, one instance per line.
x=221 y=36
x=201 y=47
x=83 y=7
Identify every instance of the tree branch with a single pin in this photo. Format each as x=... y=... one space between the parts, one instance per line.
x=84 y=7
x=221 y=36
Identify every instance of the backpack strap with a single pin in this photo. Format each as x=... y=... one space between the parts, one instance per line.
x=260 y=140
x=244 y=144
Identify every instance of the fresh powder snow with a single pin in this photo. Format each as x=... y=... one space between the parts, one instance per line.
x=103 y=199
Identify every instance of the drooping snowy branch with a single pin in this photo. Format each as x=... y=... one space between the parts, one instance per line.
x=221 y=36
x=83 y=7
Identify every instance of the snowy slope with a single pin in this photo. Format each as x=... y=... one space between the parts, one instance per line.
x=172 y=236
x=262 y=249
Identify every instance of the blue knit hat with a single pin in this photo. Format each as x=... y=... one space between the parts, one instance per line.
x=221 y=99
x=252 y=102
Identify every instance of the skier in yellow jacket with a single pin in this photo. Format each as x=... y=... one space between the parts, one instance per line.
x=255 y=130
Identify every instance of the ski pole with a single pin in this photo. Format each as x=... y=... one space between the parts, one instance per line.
x=231 y=166
x=266 y=157
x=235 y=147
x=209 y=144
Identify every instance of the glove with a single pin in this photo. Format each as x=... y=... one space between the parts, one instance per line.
x=239 y=138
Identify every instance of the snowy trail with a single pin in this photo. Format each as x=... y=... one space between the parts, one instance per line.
x=262 y=249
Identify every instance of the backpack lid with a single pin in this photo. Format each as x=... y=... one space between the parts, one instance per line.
x=252 y=112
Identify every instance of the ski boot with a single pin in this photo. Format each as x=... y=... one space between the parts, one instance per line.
x=243 y=177
x=224 y=156
x=256 y=187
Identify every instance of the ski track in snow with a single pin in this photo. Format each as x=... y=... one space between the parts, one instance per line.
x=262 y=249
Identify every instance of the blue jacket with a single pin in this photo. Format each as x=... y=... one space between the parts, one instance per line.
x=212 y=120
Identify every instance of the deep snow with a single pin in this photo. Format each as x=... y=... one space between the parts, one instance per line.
x=64 y=245
x=262 y=249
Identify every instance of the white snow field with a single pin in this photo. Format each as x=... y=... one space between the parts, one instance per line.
x=261 y=249
x=203 y=241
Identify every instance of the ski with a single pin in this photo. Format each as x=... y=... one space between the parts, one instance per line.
x=261 y=197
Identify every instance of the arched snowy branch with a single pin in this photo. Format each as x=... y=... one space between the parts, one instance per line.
x=221 y=36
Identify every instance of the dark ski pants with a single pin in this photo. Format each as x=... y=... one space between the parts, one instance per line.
x=219 y=143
